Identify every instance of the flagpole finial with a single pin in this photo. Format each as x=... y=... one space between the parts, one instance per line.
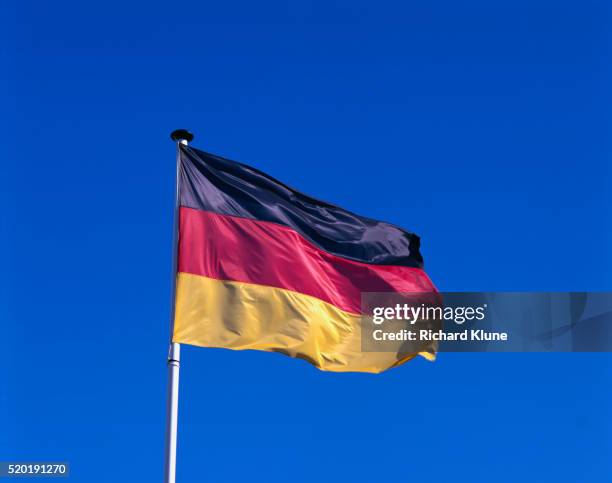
x=182 y=136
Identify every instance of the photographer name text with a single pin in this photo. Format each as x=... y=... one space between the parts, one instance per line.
x=439 y=335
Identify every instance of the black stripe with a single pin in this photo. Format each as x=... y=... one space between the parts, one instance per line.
x=212 y=183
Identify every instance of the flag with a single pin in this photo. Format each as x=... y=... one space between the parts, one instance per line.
x=263 y=266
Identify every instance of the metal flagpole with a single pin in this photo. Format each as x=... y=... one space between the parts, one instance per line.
x=180 y=136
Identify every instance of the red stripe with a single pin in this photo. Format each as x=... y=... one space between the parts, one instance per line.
x=243 y=250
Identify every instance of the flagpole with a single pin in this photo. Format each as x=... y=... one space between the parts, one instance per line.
x=180 y=136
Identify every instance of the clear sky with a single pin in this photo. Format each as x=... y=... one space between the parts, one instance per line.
x=482 y=126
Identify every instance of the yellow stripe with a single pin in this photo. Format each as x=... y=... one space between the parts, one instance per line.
x=235 y=315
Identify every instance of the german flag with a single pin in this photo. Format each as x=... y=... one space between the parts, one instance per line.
x=263 y=266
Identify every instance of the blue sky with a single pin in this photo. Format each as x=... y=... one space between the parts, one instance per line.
x=482 y=126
